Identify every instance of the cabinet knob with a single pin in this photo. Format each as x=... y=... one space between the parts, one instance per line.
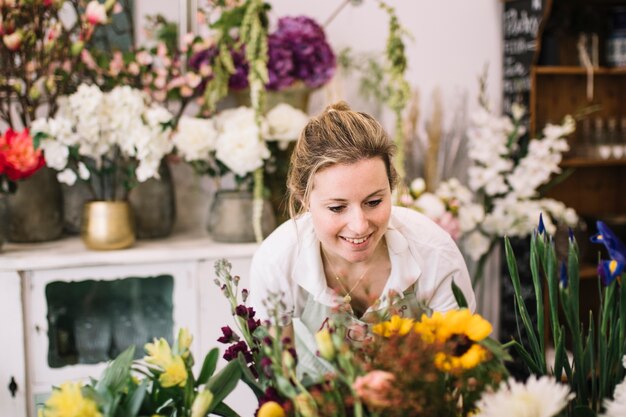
x=13 y=387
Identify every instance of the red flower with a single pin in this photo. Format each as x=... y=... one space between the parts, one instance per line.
x=18 y=157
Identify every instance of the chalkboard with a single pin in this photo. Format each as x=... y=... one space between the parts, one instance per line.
x=522 y=19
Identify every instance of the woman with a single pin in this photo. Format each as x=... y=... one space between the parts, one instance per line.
x=346 y=248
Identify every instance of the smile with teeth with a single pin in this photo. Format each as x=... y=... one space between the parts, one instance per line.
x=356 y=241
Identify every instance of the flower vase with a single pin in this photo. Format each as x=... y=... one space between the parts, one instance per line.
x=297 y=96
x=154 y=205
x=230 y=217
x=35 y=210
x=74 y=198
x=107 y=225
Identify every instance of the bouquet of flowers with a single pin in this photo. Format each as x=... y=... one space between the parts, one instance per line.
x=444 y=365
x=228 y=142
x=162 y=384
x=18 y=158
x=112 y=139
x=595 y=373
x=40 y=51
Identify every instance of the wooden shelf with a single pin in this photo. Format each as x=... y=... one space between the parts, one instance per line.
x=575 y=70
x=588 y=271
x=581 y=162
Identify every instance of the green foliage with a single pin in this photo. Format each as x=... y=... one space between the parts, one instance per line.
x=597 y=350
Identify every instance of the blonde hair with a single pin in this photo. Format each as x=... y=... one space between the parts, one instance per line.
x=338 y=135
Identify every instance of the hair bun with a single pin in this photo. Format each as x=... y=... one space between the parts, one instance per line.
x=337 y=106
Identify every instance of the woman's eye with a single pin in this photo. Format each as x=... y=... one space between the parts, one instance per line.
x=374 y=203
x=336 y=209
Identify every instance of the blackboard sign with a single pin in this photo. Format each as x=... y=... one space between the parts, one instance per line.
x=522 y=19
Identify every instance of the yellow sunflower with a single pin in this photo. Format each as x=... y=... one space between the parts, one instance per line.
x=463 y=330
x=396 y=326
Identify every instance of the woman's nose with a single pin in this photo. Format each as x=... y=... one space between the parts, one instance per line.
x=358 y=222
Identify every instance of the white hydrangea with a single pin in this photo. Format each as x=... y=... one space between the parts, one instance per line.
x=241 y=150
x=195 y=138
x=476 y=244
x=430 y=205
x=284 y=123
x=119 y=124
x=538 y=397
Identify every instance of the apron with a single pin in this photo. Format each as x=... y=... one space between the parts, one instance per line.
x=315 y=316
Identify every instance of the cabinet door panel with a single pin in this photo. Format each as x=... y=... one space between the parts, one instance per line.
x=95 y=287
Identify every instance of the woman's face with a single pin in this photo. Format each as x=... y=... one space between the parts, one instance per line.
x=350 y=205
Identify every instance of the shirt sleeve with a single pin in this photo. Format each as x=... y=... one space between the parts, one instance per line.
x=267 y=278
x=451 y=267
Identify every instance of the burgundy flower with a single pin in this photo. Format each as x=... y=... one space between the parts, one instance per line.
x=228 y=335
x=233 y=351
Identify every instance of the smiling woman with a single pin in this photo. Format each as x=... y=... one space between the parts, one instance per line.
x=347 y=250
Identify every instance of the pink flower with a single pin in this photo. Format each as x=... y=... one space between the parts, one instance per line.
x=450 y=224
x=373 y=388
x=87 y=59
x=13 y=41
x=95 y=12
x=116 y=64
x=144 y=58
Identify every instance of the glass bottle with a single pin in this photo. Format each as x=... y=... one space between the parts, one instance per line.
x=613 y=138
x=600 y=140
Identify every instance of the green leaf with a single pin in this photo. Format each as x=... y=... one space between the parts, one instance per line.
x=458 y=295
x=496 y=348
x=224 y=410
x=208 y=366
x=224 y=382
x=116 y=375
x=133 y=403
x=249 y=378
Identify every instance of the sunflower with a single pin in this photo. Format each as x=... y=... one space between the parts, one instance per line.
x=461 y=331
x=396 y=326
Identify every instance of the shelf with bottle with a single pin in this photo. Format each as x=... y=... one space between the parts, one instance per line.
x=577 y=70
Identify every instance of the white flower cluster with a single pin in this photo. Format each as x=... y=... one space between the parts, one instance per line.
x=232 y=136
x=538 y=397
x=509 y=188
x=120 y=124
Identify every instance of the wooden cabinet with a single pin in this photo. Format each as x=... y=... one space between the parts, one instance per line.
x=46 y=284
x=561 y=84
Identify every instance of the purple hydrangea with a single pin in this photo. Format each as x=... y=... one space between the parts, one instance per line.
x=297 y=50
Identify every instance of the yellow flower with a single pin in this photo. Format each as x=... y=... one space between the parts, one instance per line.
x=68 y=401
x=462 y=328
x=271 y=409
x=159 y=353
x=184 y=342
x=473 y=357
x=397 y=325
x=202 y=403
x=325 y=344
x=175 y=373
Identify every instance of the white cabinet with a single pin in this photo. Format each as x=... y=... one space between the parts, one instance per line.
x=12 y=371
x=57 y=292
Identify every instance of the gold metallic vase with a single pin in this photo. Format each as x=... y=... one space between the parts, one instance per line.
x=107 y=225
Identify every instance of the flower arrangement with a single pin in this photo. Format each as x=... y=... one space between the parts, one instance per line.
x=449 y=206
x=162 y=384
x=507 y=178
x=40 y=51
x=438 y=365
x=18 y=158
x=595 y=373
x=228 y=141
x=112 y=139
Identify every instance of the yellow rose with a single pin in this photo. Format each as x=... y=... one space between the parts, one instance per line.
x=325 y=344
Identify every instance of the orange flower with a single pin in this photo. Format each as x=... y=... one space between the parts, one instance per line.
x=18 y=155
x=373 y=387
